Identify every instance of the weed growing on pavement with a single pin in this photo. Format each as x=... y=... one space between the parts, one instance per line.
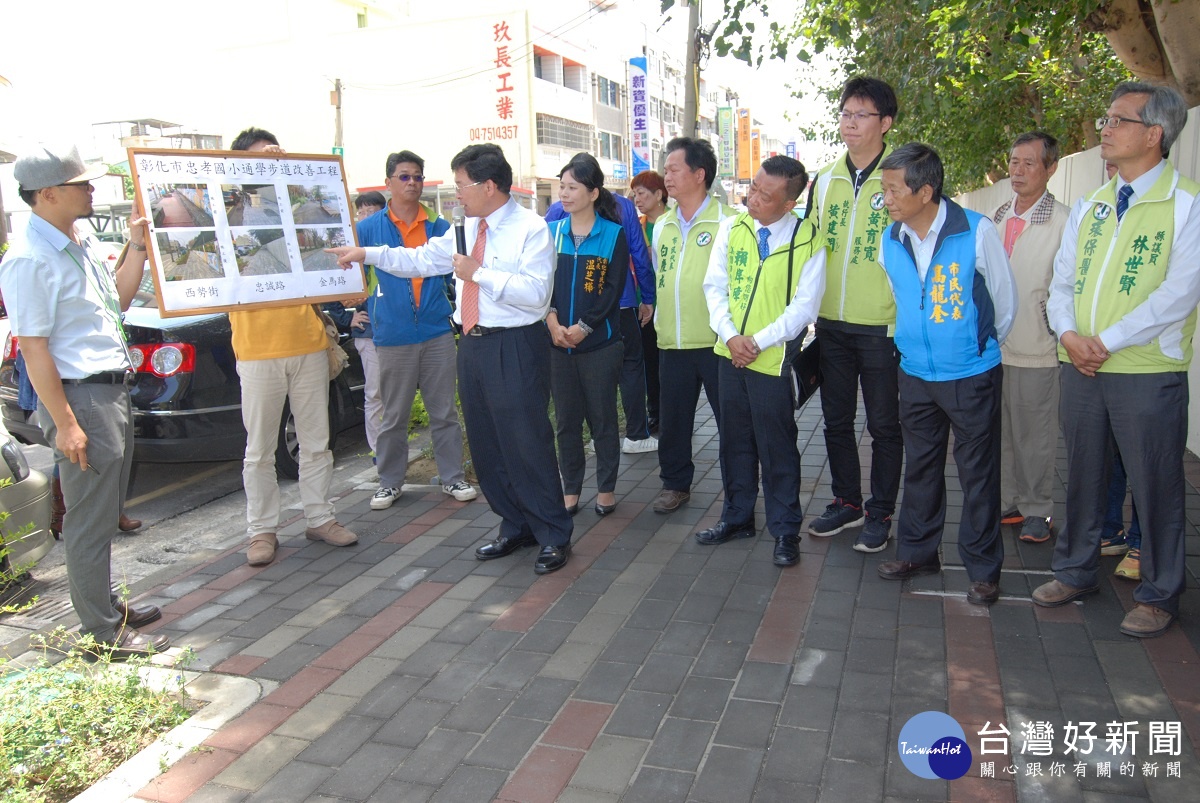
x=69 y=720
x=12 y=576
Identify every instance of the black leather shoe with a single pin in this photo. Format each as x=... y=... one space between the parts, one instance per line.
x=787 y=550
x=983 y=593
x=129 y=643
x=903 y=569
x=136 y=616
x=504 y=545
x=724 y=531
x=604 y=510
x=551 y=559
x=572 y=509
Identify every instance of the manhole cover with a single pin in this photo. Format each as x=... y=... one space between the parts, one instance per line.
x=54 y=602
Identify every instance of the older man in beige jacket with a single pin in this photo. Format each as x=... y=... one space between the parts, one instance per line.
x=1032 y=225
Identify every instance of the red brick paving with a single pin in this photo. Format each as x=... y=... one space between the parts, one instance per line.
x=303 y=686
x=542 y=776
x=577 y=724
x=240 y=664
x=250 y=727
x=187 y=775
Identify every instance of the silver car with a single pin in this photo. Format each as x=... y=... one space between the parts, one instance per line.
x=25 y=497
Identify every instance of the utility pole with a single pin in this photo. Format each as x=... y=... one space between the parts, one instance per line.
x=335 y=97
x=691 y=115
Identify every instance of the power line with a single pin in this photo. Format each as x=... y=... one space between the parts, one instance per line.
x=451 y=77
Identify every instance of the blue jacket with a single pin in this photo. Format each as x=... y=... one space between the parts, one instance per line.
x=395 y=318
x=589 y=280
x=946 y=327
x=643 y=268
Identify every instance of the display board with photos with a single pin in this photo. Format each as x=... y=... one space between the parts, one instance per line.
x=236 y=230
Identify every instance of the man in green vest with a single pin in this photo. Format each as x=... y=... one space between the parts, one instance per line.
x=1123 y=303
x=683 y=242
x=763 y=287
x=857 y=320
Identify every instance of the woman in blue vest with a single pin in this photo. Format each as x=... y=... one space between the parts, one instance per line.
x=584 y=324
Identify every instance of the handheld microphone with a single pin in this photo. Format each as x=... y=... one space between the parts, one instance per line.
x=460 y=232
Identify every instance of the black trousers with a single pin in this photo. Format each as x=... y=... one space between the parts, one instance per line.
x=633 y=377
x=504 y=384
x=1147 y=416
x=650 y=355
x=758 y=425
x=584 y=386
x=928 y=411
x=682 y=372
x=846 y=360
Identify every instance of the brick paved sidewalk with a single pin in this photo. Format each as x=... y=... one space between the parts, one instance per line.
x=655 y=669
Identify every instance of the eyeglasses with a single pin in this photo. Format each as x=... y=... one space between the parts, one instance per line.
x=461 y=187
x=407 y=177
x=1114 y=121
x=857 y=117
x=87 y=185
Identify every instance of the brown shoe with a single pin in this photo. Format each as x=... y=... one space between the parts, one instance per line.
x=983 y=593
x=129 y=643
x=1054 y=593
x=331 y=533
x=669 y=501
x=128 y=525
x=262 y=549
x=135 y=616
x=1146 y=621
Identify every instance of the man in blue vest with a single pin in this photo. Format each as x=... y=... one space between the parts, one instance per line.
x=955 y=302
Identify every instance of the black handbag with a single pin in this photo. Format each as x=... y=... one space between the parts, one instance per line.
x=806 y=369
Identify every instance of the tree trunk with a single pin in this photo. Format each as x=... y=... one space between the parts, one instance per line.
x=1178 y=24
x=1133 y=39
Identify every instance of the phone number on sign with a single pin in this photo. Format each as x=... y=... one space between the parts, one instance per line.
x=493 y=132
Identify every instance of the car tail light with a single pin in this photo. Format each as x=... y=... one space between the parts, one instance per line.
x=163 y=359
x=15 y=459
x=10 y=347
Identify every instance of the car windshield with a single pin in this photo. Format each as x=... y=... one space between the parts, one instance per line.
x=144 y=297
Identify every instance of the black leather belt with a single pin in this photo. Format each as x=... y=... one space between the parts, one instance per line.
x=105 y=378
x=480 y=331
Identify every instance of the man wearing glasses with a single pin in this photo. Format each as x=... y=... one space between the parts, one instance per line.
x=857 y=320
x=1123 y=303
x=504 y=283
x=66 y=309
x=413 y=340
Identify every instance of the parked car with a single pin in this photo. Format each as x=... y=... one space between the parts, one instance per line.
x=187 y=397
x=25 y=497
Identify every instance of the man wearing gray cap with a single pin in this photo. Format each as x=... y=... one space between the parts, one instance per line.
x=65 y=308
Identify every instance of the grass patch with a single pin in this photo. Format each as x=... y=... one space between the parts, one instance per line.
x=67 y=722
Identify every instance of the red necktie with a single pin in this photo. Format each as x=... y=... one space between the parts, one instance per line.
x=470 y=299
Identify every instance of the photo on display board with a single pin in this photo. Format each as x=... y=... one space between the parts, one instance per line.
x=315 y=203
x=251 y=204
x=189 y=255
x=184 y=206
x=261 y=252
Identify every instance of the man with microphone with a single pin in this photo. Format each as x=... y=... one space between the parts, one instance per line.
x=503 y=289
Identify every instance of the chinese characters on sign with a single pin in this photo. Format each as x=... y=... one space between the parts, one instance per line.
x=639 y=118
x=231 y=229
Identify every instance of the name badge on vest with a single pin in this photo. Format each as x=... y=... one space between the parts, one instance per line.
x=877 y=201
x=1101 y=212
x=703 y=238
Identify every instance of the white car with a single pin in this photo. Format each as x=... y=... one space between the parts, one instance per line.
x=25 y=498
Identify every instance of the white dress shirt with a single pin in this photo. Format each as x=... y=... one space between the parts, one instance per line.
x=1167 y=306
x=55 y=289
x=517 y=276
x=990 y=260
x=800 y=311
x=686 y=225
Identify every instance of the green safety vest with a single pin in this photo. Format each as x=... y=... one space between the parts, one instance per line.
x=1118 y=266
x=760 y=290
x=856 y=287
x=681 y=314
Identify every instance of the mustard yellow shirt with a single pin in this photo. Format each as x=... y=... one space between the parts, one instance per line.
x=274 y=332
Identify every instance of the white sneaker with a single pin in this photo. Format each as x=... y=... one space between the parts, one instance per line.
x=384 y=497
x=461 y=491
x=639 y=447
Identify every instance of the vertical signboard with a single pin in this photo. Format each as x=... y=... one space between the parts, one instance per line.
x=743 y=144
x=791 y=149
x=755 y=150
x=639 y=117
x=725 y=156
